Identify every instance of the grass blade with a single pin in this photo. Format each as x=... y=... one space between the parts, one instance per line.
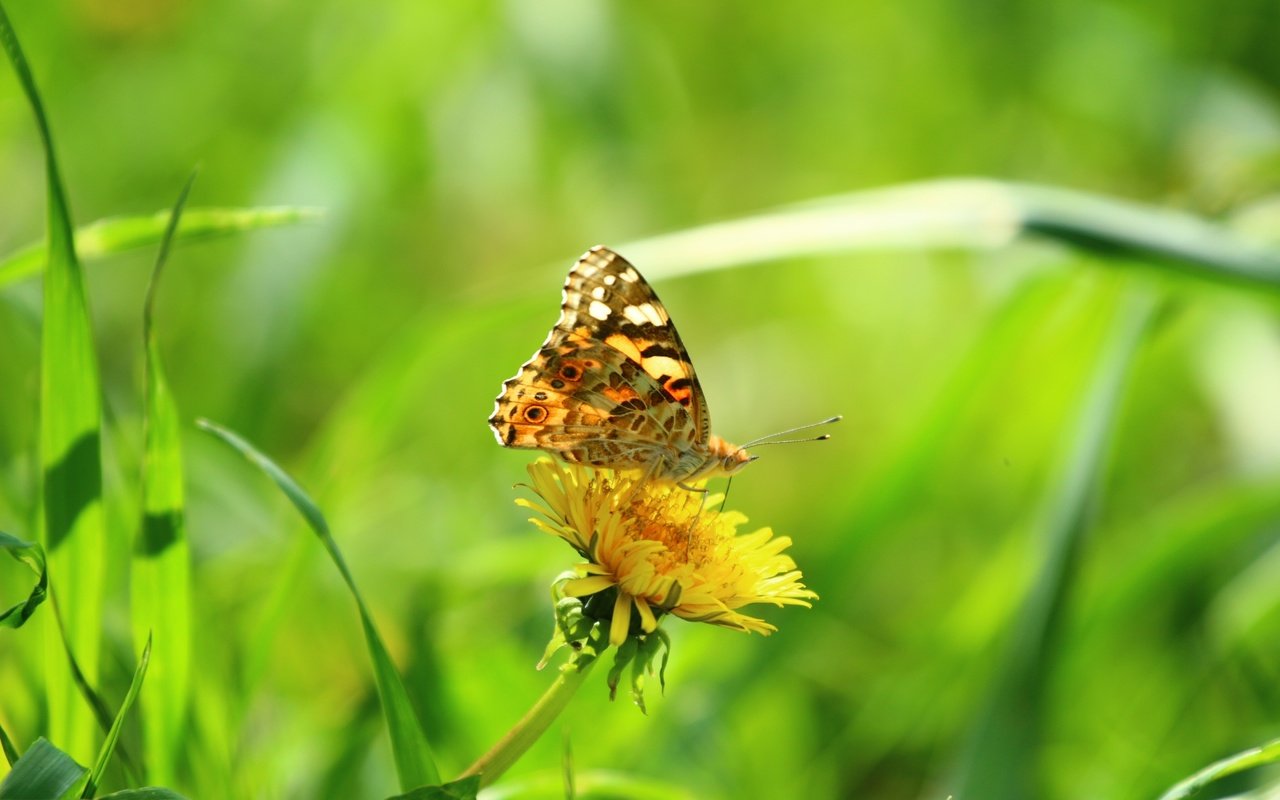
x=109 y=745
x=566 y=767
x=892 y=487
x=43 y=772
x=1002 y=757
x=120 y=234
x=1177 y=540
x=461 y=789
x=146 y=793
x=614 y=784
x=161 y=591
x=414 y=762
x=33 y=556
x=93 y=701
x=70 y=445
x=967 y=213
x=6 y=745
x=1268 y=753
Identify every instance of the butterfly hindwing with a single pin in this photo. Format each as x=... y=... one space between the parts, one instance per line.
x=590 y=404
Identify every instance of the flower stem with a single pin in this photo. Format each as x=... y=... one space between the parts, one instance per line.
x=533 y=724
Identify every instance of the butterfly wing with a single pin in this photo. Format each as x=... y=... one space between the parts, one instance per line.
x=588 y=404
x=612 y=385
x=606 y=299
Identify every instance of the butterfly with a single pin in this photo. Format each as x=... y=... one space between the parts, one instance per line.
x=613 y=386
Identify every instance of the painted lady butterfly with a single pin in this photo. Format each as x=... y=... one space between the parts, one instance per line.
x=613 y=386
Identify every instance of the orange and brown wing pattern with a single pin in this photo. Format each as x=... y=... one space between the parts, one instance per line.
x=606 y=299
x=588 y=404
x=612 y=386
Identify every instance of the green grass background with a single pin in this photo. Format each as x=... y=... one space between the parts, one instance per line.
x=464 y=155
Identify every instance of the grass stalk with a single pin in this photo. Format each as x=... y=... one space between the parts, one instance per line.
x=534 y=723
x=161 y=584
x=70 y=447
x=1002 y=758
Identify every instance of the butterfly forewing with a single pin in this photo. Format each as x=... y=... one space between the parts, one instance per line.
x=606 y=299
x=612 y=385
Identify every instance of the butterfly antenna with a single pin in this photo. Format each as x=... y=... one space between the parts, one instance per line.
x=728 y=485
x=797 y=429
x=821 y=438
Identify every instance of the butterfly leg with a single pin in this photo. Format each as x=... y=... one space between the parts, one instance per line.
x=702 y=506
x=724 y=500
x=645 y=477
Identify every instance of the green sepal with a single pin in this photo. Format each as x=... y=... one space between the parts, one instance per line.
x=656 y=642
x=573 y=628
x=553 y=646
x=622 y=658
x=648 y=647
x=638 y=653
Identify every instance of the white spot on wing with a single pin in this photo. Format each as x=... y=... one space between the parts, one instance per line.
x=598 y=293
x=634 y=315
x=630 y=275
x=598 y=310
x=610 y=279
x=652 y=314
x=644 y=314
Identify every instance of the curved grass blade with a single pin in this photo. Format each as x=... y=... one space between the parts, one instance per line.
x=6 y=745
x=1268 y=753
x=113 y=235
x=1178 y=539
x=70 y=444
x=461 y=789
x=93 y=701
x=109 y=745
x=160 y=585
x=414 y=762
x=893 y=485
x=32 y=555
x=44 y=772
x=966 y=213
x=1003 y=754
x=145 y=793
x=613 y=784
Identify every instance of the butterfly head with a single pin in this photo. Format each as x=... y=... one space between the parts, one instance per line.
x=728 y=458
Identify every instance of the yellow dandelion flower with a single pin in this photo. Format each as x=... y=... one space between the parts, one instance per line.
x=664 y=549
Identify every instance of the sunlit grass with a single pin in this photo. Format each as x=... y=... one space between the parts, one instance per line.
x=119 y=235
x=1046 y=567
x=160 y=579
x=70 y=451
x=414 y=762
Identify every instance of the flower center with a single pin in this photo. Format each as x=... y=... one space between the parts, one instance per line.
x=677 y=519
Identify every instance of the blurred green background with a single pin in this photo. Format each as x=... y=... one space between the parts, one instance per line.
x=465 y=154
